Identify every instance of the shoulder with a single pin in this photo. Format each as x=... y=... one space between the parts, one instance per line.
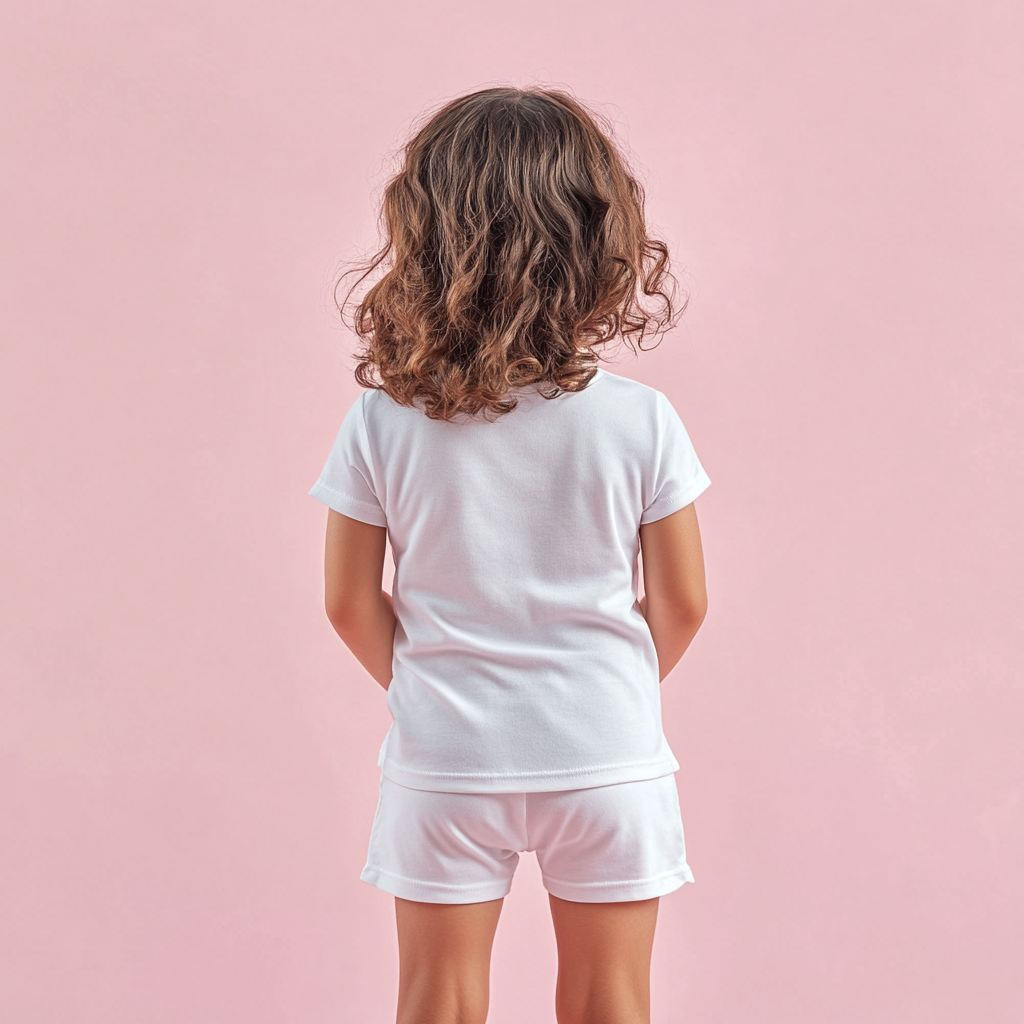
x=359 y=414
x=631 y=395
x=375 y=403
x=385 y=419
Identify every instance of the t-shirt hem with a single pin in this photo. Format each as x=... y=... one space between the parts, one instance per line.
x=528 y=782
x=348 y=506
x=680 y=499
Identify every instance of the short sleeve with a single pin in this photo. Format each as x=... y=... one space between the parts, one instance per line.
x=346 y=482
x=677 y=475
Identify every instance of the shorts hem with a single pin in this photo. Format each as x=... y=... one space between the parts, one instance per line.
x=619 y=892
x=434 y=892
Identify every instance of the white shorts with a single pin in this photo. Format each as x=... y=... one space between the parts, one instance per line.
x=606 y=844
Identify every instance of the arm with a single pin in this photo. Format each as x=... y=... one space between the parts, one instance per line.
x=359 y=610
x=675 y=598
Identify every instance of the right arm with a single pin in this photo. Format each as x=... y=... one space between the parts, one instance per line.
x=675 y=596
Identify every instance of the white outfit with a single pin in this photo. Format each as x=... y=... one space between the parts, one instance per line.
x=597 y=845
x=522 y=661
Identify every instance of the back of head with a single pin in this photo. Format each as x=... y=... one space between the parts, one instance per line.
x=514 y=244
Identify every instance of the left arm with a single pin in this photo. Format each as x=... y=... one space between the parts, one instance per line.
x=359 y=610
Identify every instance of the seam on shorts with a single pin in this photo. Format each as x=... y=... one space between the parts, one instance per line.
x=680 y=872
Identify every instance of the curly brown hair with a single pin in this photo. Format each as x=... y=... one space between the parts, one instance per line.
x=514 y=243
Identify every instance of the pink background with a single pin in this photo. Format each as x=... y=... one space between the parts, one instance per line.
x=189 y=752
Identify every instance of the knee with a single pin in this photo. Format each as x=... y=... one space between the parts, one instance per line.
x=606 y=999
x=433 y=998
x=603 y=1013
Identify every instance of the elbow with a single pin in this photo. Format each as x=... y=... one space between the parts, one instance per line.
x=692 y=605
x=351 y=610
x=689 y=611
x=339 y=611
x=691 y=616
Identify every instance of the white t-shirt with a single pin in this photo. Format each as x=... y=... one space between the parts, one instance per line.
x=522 y=660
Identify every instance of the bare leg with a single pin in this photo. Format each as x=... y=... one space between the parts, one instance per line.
x=604 y=961
x=444 y=957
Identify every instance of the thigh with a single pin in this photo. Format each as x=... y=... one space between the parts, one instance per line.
x=604 y=960
x=444 y=952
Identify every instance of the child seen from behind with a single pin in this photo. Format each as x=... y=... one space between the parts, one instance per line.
x=518 y=482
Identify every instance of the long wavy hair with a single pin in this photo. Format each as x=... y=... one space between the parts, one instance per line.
x=514 y=244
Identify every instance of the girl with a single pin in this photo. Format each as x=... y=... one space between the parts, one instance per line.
x=518 y=482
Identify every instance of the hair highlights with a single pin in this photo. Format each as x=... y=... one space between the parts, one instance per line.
x=514 y=244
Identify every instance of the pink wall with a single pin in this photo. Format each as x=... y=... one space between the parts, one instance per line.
x=189 y=753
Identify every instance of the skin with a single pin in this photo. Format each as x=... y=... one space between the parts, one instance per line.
x=604 y=949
